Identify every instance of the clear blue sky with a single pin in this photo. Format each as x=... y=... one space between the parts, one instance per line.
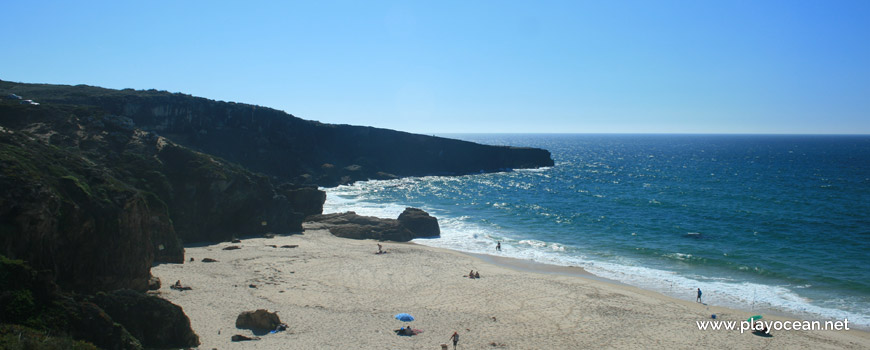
x=472 y=66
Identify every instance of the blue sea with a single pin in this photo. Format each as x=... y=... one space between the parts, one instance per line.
x=758 y=222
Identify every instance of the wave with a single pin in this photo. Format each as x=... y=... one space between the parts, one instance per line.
x=469 y=234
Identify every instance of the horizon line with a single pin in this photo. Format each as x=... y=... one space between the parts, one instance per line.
x=651 y=133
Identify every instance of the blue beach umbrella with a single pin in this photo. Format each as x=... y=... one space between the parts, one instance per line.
x=404 y=317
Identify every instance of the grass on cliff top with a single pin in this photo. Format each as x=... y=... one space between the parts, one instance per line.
x=68 y=174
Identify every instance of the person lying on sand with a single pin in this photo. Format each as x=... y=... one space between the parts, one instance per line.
x=407 y=331
x=178 y=286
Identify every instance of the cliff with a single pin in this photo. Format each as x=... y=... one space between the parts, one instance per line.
x=123 y=319
x=98 y=201
x=99 y=184
x=280 y=145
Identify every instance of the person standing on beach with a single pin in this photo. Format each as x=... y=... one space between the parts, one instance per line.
x=699 y=296
x=455 y=338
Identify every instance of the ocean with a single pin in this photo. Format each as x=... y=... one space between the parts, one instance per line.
x=758 y=222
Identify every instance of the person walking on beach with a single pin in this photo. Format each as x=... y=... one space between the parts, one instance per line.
x=699 y=296
x=498 y=246
x=455 y=338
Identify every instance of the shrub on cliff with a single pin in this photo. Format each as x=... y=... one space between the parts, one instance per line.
x=36 y=306
x=15 y=337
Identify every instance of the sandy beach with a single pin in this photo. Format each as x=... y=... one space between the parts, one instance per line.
x=335 y=293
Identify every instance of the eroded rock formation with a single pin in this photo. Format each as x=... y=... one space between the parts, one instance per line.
x=278 y=144
x=126 y=320
x=155 y=322
x=413 y=223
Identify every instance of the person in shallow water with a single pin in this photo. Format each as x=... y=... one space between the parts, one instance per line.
x=498 y=246
x=699 y=295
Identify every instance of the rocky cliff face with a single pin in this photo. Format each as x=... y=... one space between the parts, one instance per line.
x=280 y=145
x=155 y=322
x=98 y=184
x=29 y=298
x=61 y=213
x=87 y=195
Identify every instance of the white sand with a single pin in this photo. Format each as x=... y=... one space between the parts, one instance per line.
x=335 y=293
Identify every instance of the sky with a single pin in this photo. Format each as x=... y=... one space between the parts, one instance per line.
x=436 y=67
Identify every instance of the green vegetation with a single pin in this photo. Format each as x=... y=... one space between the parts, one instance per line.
x=15 y=337
x=36 y=314
x=18 y=304
x=78 y=184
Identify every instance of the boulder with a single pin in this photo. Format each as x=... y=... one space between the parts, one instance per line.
x=154 y=283
x=239 y=337
x=260 y=320
x=420 y=223
x=413 y=223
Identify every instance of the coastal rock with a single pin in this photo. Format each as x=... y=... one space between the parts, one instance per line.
x=212 y=200
x=351 y=225
x=90 y=197
x=420 y=223
x=305 y=200
x=239 y=337
x=260 y=320
x=157 y=323
x=154 y=283
x=61 y=213
x=282 y=146
x=29 y=297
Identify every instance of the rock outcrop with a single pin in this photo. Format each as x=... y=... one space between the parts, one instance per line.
x=90 y=191
x=155 y=322
x=62 y=213
x=419 y=222
x=124 y=320
x=351 y=225
x=98 y=202
x=278 y=144
x=96 y=185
